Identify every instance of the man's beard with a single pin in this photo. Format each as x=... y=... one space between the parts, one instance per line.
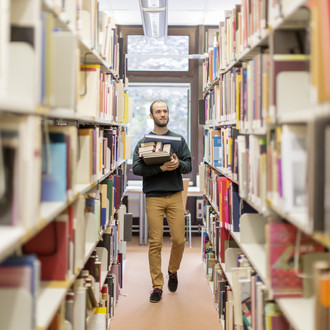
x=160 y=124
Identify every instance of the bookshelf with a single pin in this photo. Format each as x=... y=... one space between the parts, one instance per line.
x=256 y=141
x=64 y=111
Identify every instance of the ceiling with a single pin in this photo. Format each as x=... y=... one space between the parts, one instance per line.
x=180 y=12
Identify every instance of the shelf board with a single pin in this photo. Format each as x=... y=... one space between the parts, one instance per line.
x=299 y=312
x=10 y=238
x=255 y=131
x=300 y=220
x=61 y=114
x=89 y=248
x=222 y=323
x=256 y=254
x=104 y=275
x=17 y=107
x=229 y=275
x=49 y=300
x=293 y=16
x=224 y=172
x=83 y=188
x=297 y=117
x=50 y=210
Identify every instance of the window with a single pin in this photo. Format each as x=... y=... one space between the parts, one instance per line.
x=177 y=96
x=163 y=54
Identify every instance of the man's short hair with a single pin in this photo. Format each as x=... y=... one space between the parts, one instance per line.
x=160 y=101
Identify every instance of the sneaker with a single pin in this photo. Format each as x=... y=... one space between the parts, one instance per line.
x=172 y=281
x=156 y=295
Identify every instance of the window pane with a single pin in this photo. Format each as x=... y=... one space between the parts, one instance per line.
x=175 y=95
x=164 y=48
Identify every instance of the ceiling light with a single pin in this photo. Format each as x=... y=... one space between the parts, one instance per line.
x=154 y=17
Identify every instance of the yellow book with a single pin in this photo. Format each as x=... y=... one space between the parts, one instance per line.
x=126 y=108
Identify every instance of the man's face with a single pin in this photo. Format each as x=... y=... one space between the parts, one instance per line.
x=160 y=114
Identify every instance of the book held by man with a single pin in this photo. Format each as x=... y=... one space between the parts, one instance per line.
x=174 y=141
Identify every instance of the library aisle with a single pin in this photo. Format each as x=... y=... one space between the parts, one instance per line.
x=191 y=307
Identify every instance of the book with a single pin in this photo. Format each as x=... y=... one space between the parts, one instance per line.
x=159 y=146
x=309 y=265
x=321 y=281
x=19 y=284
x=318 y=174
x=54 y=165
x=283 y=268
x=294 y=167
x=24 y=55
x=148 y=144
x=291 y=84
x=154 y=157
x=85 y=156
x=8 y=159
x=274 y=318
x=92 y=216
x=88 y=103
x=22 y=136
x=174 y=141
x=51 y=247
x=64 y=69
x=147 y=149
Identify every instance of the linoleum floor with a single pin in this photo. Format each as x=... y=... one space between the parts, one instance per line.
x=190 y=308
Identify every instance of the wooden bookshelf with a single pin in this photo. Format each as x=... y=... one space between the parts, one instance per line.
x=232 y=89
x=45 y=108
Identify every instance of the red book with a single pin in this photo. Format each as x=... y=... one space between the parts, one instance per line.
x=50 y=245
x=281 y=240
x=224 y=237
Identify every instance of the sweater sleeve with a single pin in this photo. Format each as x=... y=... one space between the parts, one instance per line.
x=140 y=168
x=184 y=156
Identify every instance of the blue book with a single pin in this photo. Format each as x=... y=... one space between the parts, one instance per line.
x=54 y=163
x=217 y=151
x=103 y=217
x=235 y=208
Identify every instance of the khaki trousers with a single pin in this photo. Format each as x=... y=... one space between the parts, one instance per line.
x=156 y=207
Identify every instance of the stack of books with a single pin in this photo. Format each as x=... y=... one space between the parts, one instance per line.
x=157 y=150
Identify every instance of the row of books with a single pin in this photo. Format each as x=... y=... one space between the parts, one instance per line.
x=50 y=59
x=101 y=96
x=62 y=245
x=246 y=24
x=283 y=278
x=57 y=158
x=242 y=25
x=271 y=169
x=240 y=297
x=224 y=197
x=65 y=250
x=220 y=149
x=97 y=29
x=262 y=90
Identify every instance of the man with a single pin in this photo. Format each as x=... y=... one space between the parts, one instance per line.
x=163 y=187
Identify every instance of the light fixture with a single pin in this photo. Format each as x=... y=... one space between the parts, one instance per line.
x=154 y=17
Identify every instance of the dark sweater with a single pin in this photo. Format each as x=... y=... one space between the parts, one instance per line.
x=155 y=181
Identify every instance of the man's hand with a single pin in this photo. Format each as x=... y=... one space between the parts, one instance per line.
x=173 y=164
x=164 y=166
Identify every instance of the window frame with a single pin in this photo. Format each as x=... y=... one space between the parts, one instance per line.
x=179 y=31
x=187 y=86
